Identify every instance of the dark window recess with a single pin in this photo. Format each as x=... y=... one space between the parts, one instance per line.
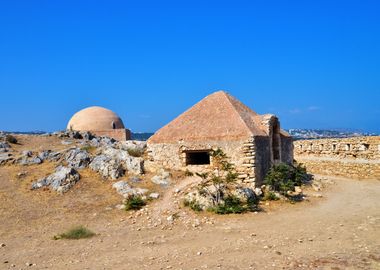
x=198 y=158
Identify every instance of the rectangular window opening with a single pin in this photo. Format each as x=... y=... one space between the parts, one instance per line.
x=198 y=158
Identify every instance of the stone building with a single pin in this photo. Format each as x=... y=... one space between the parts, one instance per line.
x=252 y=142
x=101 y=122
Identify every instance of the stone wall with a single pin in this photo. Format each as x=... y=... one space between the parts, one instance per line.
x=117 y=134
x=173 y=156
x=251 y=156
x=263 y=160
x=287 y=154
x=357 y=157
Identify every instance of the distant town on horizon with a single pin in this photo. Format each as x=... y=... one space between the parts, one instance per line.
x=296 y=133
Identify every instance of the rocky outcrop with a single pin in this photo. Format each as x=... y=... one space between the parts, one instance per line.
x=49 y=155
x=28 y=158
x=102 y=141
x=245 y=194
x=124 y=189
x=162 y=178
x=77 y=158
x=138 y=146
x=5 y=158
x=131 y=164
x=61 y=181
x=4 y=147
x=75 y=135
x=206 y=200
x=112 y=163
x=107 y=167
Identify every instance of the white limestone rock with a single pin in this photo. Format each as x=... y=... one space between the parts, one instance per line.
x=134 y=145
x=61 y=181
x=27 y=158
x=77 y=158
x=154 y=195
x=107 y=167
x=49 y=155
x=124 y=189
x=133 y=165
x=4 y=147
x=5 y=158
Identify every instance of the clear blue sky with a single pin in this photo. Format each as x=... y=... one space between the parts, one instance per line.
x=316 y=64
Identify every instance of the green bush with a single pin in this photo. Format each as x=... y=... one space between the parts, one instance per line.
x=134 y=152
x=231 y=205
x=283 y=178
x=194 y=205
x=188 y=173
x=11 y=139
x=134 y=203
x=79 y=232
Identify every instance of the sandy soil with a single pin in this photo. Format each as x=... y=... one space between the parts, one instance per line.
x=341 y=230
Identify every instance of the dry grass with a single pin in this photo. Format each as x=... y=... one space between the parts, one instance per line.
x=79 y=232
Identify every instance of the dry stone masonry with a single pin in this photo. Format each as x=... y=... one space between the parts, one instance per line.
x=251 y=141
x=357 y=157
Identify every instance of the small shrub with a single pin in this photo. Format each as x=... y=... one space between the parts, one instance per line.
x=11 y=139
x=188 y=173
x=231 y=205
x=194 y=205
x=253 y=204
x=270 y=196
x=79 y=232
x=134 y=203
x=175 y=216
x=88 y=148
x=134 y=152
x=295 y=198
x=283 y=178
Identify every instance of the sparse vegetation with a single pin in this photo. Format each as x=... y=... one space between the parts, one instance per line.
x=270 y=196
x=10 y=138
x=88 y=148
x=219 y=185
x=231 y=205
x=188 y=173
x=134 y=203
x=135 y=152
x=194 y=205
x=79 y=232
x=284 y=178
x=220 y=179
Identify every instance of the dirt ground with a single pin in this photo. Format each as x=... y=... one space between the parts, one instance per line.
x=341 y=230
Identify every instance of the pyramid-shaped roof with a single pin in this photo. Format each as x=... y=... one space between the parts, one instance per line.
x=218 y=116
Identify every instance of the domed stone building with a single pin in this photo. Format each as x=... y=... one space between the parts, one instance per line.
x=101 y=122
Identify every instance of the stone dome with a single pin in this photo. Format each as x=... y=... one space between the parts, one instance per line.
x=95 y=118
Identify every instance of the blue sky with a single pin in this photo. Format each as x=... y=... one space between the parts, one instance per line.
x=316 y=64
